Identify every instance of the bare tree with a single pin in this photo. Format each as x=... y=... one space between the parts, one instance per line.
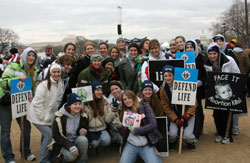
x=6 y=35
x=232 y=22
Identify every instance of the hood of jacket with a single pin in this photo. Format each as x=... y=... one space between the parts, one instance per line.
x=212 y=44
x=160 y=56
x=224 y=44
x=24 y=56
x=196 y=49
x=238 y=50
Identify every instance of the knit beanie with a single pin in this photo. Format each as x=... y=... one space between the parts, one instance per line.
x=120 y=39
x=214 y=48
x=167 y=68
x=189 y=43
x=218 y=38
x=95 y=85
x=53 y=66
x=107 y=60
x=73 y=98
x=117 y=83
x=147 y=83
x=96 y=56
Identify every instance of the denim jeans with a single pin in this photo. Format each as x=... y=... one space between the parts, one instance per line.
x=6 y=147
x=81 y=142
x=235 y=122
x=147 y=153
x=46 y=132
x=104 y=140
x=188 y=135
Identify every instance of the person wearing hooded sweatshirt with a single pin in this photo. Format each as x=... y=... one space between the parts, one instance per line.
x=221 y=42
x=94 y=72
x=174 y=112
x=41 y=111
x=99 y=112
x=70 y=127
x=26 y=67
x=154 y=54
x=191 y=45
x=218 y=62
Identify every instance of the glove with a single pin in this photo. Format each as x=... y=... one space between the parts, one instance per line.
x=199 y=83
x=179 y=122
x=131 y=129
x=186 y=117
x=115 y=103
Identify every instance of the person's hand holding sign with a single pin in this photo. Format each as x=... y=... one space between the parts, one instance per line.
x=22 y=78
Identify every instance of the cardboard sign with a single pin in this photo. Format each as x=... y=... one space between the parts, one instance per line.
x=85 y=93
x=226 y=91
x=155 y=69
x=20 y=93
x=184 y=86
x=132 y=119
x=162 y=145
x=188 y=57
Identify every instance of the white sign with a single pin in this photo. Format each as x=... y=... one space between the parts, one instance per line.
x=132 y=119
x=85 y=93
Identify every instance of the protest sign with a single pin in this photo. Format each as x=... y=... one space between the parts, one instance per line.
x=85 y=93
x=226 y=91
x=162 y=145
x=132 y=119
x=20 y=93
x=155 y=69
x=188 y=57
x=184 y=86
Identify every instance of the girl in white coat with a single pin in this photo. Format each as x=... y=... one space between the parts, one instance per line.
x=42 y=109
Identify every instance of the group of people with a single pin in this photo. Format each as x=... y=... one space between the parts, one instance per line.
x=119 y=77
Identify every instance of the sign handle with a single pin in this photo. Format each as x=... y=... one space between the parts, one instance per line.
x=22 y=130
x=229 y=123
x=181 y=132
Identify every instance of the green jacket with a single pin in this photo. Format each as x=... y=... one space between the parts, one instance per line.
x=13 y=71
x=88 y=75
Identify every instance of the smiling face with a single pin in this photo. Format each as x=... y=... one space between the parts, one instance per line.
x=189 y=48
x=70 y=51
x=114 y=54
x=56 y=74
x=103 y=50
x=109 y=66
x=133 y=52
x=31 y=57
x=127 y=101
x=97 y=63
x=121 y=45
x=147 y=92
x=219 y=43
x=75 y=108
x=180 y=43
x=145 y=45
x=116 y=91
x=155 y=50
x=90 y=50
x=213 y=56
x=68 y=67
x=169 y=78
x=98 y=93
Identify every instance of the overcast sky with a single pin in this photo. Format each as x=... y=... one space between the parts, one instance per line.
x=52 y=20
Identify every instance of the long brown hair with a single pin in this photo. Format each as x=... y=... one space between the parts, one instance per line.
x=67 y=108
x=31 y=68
x=135 y=105
x=97 y=106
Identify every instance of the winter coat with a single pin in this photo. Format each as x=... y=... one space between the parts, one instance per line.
x=15 y=70
x=99 y=123
x=243 y=59
x=170 y=109
x=128 y=75
x=59 y=134
x=45 y=103
x=88 y=75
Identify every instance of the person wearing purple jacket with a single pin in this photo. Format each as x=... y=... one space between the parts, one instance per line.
x=139 y=140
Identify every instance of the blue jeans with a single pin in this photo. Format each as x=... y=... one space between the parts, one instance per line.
x=81 y=142
x=6 y=147
x=147 y=153
x=104 y=140
x=46 y=140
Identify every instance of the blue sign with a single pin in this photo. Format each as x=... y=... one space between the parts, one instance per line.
x=18 y=86
x=186 y=75
x=188 y=57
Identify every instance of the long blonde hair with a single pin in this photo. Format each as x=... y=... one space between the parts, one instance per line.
x=135 y=105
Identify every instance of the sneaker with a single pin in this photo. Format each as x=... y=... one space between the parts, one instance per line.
x=31 y=157
x=218 y=139
x=196 y=140
x=235 y=132
x=225 y=140
x=12 y=162
x=191 y=146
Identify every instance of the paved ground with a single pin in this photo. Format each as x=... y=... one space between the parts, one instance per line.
x=207 y=151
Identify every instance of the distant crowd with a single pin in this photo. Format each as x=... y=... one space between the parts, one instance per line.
x=119 y=77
